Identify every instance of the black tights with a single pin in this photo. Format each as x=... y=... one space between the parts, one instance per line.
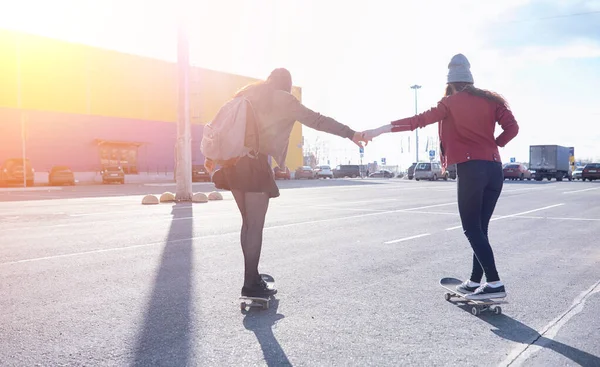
x=253 y=208
x=479 y=187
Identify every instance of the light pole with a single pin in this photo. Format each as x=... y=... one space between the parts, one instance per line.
x=416 y=88
x=20 y=108
x=183 y=177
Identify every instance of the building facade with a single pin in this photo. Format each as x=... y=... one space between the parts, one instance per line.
x=85 y=107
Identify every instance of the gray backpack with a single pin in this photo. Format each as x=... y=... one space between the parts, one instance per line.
x=224 y=137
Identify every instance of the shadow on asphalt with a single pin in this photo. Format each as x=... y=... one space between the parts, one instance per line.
x=165 y=335
x=261 y=323
x=510 y=329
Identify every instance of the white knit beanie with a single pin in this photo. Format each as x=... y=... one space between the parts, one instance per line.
x=459 y=70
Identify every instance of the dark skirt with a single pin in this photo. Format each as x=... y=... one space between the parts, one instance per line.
x=248 y=175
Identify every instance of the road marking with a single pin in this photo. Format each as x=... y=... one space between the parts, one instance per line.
x=560 y=218
x=212 y=236
x=433 y=213
x=576 y=191
x=412 y=210
x=34 y=196
x=28 y=189
x=134 y=211
x=521 y=354
x=513 y=215
x=331 y=207
x=430 y=206
x=114 y=249
x=407 y=238
x=528 y=189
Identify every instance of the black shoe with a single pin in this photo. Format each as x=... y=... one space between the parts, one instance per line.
x=259 y=290
x=486 y=291
x=467 y=287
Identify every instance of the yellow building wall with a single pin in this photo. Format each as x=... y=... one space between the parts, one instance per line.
x=295 y=156
x=72 y=78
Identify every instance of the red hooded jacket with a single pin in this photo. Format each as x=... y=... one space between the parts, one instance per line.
x=466 y=127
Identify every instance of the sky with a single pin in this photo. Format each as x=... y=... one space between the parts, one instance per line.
x=356 y=62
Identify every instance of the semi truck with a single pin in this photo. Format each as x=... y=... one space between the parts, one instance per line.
x=550 y=161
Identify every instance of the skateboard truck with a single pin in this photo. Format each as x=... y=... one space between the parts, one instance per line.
x=477 y=306
x=263 y=303
x=249 y=302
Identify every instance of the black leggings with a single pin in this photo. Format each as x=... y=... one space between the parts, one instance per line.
x=479 y=187
x=253 y=208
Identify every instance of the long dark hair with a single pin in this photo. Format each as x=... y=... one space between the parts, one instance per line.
x=452 y=88
x=279 y=79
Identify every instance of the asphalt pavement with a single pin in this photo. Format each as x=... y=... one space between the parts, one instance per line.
x=90 y=277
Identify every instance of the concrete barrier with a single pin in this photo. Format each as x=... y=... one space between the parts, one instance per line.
x=167 y=197
x=200 y=197
x=215 y=195
x=150 y=200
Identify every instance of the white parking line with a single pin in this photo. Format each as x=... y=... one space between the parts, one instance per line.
x=216 y=235
x=513 y=215
x=529 y=189
x=30 y=189
x=576 y=191
x=407 y=238
x=331 y=207
x=431 y=206
x=38 y=196
x=412 y=210
x=521 y=353
x=561 y=218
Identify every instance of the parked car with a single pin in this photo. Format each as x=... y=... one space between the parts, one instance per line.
x=323 y=172
x=384 y=173
x=281 y=173
x=199 y=173
x=113 y=174
x=577 y=173
x=305 y=172
x=350 y=170
x=516 y=171
x=429 y=171
x=451 y=171
x=13 y=171
x=411 y=171
x=61 y=175
x=591 y=172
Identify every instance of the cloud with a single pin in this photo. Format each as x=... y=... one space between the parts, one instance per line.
x=546 y=23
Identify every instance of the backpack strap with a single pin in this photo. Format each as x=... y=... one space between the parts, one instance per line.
x=254 y=152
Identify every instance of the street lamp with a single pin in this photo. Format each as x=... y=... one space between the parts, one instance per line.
x=416 y=88
x=183 y=178
x=20 y=109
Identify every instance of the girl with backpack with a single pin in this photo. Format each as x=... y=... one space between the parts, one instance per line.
x=271 y=113
x=467 y=117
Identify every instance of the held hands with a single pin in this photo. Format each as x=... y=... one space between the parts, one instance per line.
x=359 y=139
x=365 y=137
x=369 y=135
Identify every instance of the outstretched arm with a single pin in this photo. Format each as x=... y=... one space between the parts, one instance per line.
x=408 y=124
x=313 y=119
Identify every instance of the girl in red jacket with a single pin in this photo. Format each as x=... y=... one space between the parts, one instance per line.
x=467 y=117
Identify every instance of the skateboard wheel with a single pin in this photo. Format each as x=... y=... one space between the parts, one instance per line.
x=498 y=310
x=243 y=306
x=475 y=311
x=265 y=306
x=447 y=296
